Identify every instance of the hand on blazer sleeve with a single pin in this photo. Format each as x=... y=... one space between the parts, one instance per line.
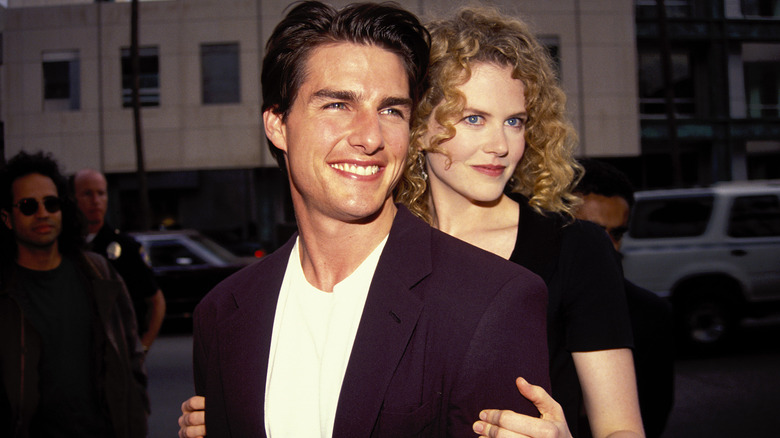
x=192 y=423
x=496 y=423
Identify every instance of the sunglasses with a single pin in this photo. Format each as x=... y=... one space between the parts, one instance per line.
x=29 y=206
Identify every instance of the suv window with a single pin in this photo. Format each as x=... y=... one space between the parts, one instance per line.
x=755 y=216
x=674 y=217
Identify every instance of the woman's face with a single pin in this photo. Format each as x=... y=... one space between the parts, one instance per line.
x=489 y=139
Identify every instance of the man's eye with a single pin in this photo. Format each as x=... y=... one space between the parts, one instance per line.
x=393 y=112
x=336 y=105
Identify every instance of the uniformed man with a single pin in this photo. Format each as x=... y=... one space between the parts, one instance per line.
x=90 y=189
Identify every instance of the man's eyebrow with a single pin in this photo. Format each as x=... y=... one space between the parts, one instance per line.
x=327 y=93
x=396 y=101
x=351 y=96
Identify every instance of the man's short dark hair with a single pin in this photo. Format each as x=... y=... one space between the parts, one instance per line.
x=604 y=179
x=23 y=164
x=311 y=24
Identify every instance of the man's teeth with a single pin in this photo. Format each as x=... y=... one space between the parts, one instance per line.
x=357 y=170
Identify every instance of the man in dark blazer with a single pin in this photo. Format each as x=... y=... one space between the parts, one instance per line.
x=441 y=330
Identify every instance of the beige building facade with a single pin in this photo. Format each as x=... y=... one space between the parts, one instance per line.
x=594 y=42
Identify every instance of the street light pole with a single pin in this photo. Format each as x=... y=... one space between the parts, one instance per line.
x=143 y=190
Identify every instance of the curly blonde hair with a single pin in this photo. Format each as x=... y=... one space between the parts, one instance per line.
x=547 y=172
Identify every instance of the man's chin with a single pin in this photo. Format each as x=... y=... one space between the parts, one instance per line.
x=94 y=220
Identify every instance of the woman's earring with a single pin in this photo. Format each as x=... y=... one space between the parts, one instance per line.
x=421 y=164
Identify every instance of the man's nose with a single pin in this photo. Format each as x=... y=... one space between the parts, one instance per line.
x=41 y=211
x=367 y=132
x=93 y=198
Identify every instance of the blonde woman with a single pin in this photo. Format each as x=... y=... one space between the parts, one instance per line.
x=493 y=119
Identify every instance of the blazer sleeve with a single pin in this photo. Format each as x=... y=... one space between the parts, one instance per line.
x=207 y=371
x=510 y=342
x=203 y=342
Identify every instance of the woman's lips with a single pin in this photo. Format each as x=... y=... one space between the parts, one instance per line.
x=490 y=170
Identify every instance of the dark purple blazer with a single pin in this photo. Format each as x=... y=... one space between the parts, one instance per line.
x=445 y=331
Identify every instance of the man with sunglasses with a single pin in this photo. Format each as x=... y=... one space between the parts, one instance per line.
x=122 y=251
x=607 y=200
x=70 y=358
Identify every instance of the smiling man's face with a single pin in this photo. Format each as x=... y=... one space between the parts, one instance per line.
x=346 y=136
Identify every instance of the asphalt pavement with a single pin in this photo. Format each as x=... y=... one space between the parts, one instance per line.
x=734 y=392
x=169 y=368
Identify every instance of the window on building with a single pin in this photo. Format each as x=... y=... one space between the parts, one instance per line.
x=763 y=159
x=652 y=91
x=761 y=8
x=219 y=66
x=762 y=88
x=61 y=81
x=674 y=8
x=149 y=80
x=553 y=44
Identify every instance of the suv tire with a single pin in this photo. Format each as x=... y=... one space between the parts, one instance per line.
x=706 y=320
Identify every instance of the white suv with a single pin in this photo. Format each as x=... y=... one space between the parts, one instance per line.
x=714 y=252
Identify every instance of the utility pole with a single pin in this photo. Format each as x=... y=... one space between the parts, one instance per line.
x=671 y=115
x=143 y=189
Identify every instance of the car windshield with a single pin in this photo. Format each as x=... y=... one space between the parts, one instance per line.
x=171 y=252
x=185 y=249
x=220 y=251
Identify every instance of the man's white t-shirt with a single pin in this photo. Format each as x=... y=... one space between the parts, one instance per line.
x=311 y=343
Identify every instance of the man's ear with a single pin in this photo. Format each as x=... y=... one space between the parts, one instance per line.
x=275 y=129
x=6 y=219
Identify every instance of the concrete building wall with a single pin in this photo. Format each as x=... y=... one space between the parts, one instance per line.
x=181 y=133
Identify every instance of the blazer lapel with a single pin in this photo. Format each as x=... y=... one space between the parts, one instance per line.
x=246 y=342
x=389 y=318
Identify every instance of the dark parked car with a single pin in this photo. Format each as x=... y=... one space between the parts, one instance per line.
x=187 y=265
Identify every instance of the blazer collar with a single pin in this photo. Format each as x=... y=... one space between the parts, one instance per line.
x=389 y=318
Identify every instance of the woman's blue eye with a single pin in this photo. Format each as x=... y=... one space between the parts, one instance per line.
x=473 y=119
x=515 y=122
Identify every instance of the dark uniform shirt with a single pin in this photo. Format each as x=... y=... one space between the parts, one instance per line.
x=126 y=255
